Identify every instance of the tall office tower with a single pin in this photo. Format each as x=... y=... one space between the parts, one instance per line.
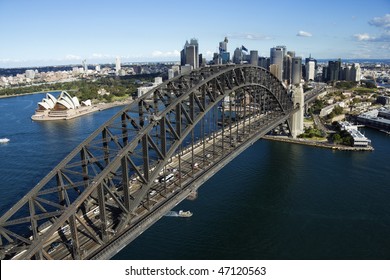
x=291 y=54
x=223 y=53
x=334 y=70
x=254 y=58
x=237 y=56
x=223 y=45
x=347 y=73
x=183 y=54
x=191 y=57
x=283 y=48
x=194 y=42
x=296 y=70
x=85 y=66
x=117 y=64
x=356 y=72
x=310 y=70
x=287 y=66
x=276 y=57
x=190 y=54
x=274 y=69
x=264 y=62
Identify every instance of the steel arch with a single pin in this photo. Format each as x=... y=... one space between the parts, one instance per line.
x=115 y=169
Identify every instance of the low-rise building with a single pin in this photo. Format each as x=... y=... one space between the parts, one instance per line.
x=359 y=140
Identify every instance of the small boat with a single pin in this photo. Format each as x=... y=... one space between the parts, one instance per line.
x=4 y=140
x=185 y=214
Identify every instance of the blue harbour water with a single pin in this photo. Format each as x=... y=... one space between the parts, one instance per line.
x=274 y=201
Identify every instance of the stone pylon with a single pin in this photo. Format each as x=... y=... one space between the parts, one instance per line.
x=297 y=118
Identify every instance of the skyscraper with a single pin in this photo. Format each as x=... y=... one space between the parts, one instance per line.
x=237 y=56
x=334 y=70
x=254 y=58
x=276 y=57
x=223 y=53
x=117 y=64
x=287 y=66
x=190 y=54
x=356 y=72
x=310 y=70
x=296 y=70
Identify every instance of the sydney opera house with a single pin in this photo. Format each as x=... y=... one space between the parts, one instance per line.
x=62 y=107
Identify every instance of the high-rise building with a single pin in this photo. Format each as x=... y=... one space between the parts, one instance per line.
x=356 y=72
x=274 y=69
x=334 y=70
x=254 y=58
x=276 y=57
x=223 y=53
x=310 y=70
x=296 y=70
x=190 y=54
x=85 y=66
x=117 y=64
x=237 y=56
x=287 y=66
x=264 y=62
x=291 y=54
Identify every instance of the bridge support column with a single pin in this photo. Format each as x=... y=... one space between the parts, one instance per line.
x=297 y=118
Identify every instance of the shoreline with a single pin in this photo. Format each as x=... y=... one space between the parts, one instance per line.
x=29 y=93
x=317 y=144
x=94 y=108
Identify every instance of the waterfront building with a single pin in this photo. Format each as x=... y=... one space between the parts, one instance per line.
x=296 y=70
x=372 y=119
x=359 y=140
x=276 y=58
x=63 y=107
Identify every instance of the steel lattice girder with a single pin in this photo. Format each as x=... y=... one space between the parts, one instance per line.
x=125 y=147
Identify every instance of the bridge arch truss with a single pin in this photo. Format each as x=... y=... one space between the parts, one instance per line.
x=142 y=162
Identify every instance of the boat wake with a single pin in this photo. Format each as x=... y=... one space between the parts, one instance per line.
x=172 y=214
x=181 y=213
x=4 y=140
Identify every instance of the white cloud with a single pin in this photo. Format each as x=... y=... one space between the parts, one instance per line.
x=381 y=21
x=72 y=57
x=304 y=34
x=363 y=37
x=174 y=53
x=384 y=37
x=249 y=36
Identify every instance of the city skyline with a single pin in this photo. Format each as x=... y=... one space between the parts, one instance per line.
x=42 y=33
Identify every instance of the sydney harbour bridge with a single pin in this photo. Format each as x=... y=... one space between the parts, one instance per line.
x=146 y=159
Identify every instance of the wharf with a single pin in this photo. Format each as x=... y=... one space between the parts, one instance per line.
x=319 y=144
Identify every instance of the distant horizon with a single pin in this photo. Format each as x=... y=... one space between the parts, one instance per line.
x=129 y=63
x=48 y=32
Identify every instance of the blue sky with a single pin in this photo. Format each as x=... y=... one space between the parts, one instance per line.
x=53 y=32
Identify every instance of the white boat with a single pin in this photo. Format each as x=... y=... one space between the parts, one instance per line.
x=4 y=140
x=185 y=214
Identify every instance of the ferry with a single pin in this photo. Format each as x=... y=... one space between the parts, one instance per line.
x=4 y=140
x=185 y=214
